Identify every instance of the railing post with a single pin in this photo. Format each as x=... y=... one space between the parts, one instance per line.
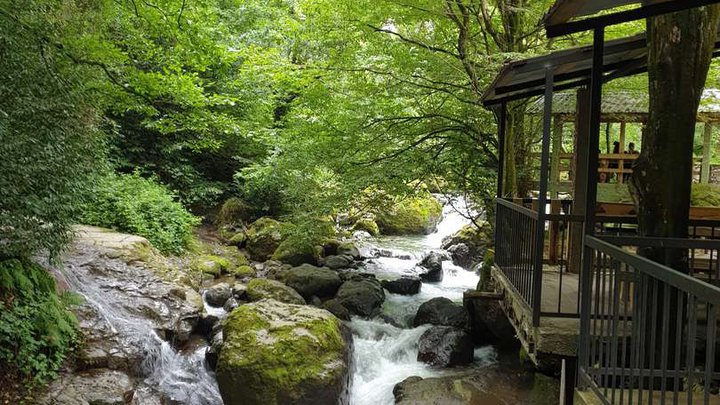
x=593 y=146
x=542 y=199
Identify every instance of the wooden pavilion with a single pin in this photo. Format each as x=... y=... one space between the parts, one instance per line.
x=628 y=349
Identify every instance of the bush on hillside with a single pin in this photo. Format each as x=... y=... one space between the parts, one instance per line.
x=37 y=331
x=133 y=204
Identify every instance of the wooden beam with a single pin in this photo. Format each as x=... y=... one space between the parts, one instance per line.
x=707 y=154
x=621 y=163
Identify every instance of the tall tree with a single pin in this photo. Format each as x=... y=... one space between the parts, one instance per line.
x=679 y=55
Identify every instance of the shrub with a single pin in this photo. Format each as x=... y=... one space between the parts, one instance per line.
x=36 y=329
x=131 y=203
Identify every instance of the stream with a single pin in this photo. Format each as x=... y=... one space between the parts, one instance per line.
x=385 y=354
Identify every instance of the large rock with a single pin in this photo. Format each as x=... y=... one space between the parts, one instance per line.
x=296 y=252
x=259 y=289
x=276 y=353
x=431 y=268
x=362 y=295
x=442 y=312
x=96 y=387
x=264 y=236
x=489 y=323
x=460 y=254
x=411 y=216
x=406 y=285
x=492 y=386
x=335 y=262
x=477 y=240
x=445 y=346
x=348 y=249
x=311 y=281
x=218 y=294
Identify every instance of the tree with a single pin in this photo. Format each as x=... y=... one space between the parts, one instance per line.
x=680 y=50
x=49 y=143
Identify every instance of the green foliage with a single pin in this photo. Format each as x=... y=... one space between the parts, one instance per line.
x=37 y=331
x=49 y=145
x=705 y=195
x=140 y=206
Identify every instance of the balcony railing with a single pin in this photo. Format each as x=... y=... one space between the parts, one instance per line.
x=649 y=332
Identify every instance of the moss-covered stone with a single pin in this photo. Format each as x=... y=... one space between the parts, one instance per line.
x=264 y=236
x=238 y=240
x=259 y=289
x=211 y=264
x=279 y=353
x=232 y=213
x=410 y=216
x=368 y=225
x=295 y=251
x=244 y=271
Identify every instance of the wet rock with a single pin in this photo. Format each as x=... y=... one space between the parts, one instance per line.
x=445 y=346
x=406 y=285
x=460 y=254
x=282 y=353
x=477 y=240
x=213 y=351
x=230 y=304
x=337 y=262
x=431 y=267
x=218 y=294
x=240 y=291
x=489 y=323
x=311 y=281
x=259 y=289
x=97 y=387
x=207 y=323
x=337 y=309
x=349 y=249
x=362 y=295
x=441 y=311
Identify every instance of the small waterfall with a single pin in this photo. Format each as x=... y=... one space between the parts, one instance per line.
x=111 y=289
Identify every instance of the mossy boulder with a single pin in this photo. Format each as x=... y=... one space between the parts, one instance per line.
x=368 y=225
x=264 y=236
x=410 y=216
x=238 y=240
x=476 y=239
x=211 y=264
x=277 y=353
x=362 y=295
x=232 y=213
x=244 y=271
x=295 y=252
x=311 y=281
x=259 y=289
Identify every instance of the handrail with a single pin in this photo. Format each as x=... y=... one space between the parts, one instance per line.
x=682 y=243
x=519 y=208
x=706 y=292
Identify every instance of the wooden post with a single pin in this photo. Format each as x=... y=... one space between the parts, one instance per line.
x=707 y=154
x=555 y=157
x=554 y=232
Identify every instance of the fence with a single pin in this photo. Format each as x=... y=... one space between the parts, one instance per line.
x=648 y=332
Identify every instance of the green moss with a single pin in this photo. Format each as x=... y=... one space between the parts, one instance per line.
x=416 y=215
x=705 y=195
x=266 y=361
x=243 y=271
x=264 y=236
x=258 y=289
x=295 y=251
x=232 y=213
x=238 y=239
x=367 y=225
x=211 y=264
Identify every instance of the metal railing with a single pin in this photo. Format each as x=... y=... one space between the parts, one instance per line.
x=546 y=291
x=515 y=245
x=648 y=333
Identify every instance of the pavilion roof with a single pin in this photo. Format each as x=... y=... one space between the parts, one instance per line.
x=624 y=105
x=572 y=67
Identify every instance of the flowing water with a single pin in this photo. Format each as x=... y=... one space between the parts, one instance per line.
x=385 y=354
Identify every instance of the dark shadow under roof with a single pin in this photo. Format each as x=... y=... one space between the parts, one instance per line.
x=572 y=67
x=565 y=10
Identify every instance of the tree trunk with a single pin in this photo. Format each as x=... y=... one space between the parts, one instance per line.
x=679 y=53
